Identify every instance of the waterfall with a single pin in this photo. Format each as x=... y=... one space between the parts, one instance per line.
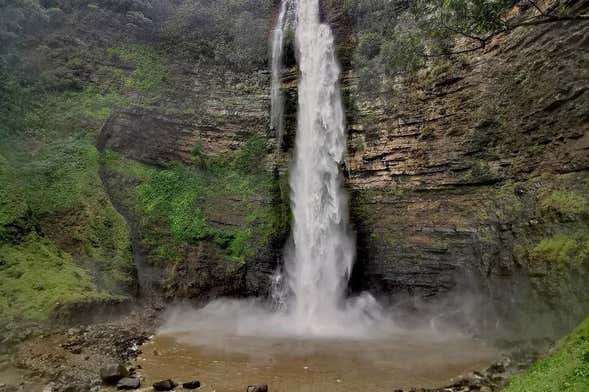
x=277 y=111
x=309 y=292
x=319 y=265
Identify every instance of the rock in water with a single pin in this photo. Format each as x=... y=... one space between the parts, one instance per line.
x=257 y=388
x=191 y=385
x=164 y=385
x=113 y=373
x=128 y=383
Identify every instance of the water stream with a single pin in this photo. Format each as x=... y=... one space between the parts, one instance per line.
x=277 y=46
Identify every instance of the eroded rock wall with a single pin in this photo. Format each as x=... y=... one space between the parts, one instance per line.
x=455 y=179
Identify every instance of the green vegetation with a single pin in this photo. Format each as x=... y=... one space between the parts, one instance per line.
x=55 y=215
x=60 y=176
x=12 y=204
x=228 y=32
x=564 y=370
x=189 y=201
x=35 y=276
x=399 y=38
x=422 y=28
x=148 y=72
x=403 y=54
x=563 y=250
x=59 y=194
x=565 y=204
x=440 y=19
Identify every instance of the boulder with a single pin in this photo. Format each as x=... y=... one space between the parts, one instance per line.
x=128 y=383
x=257 y=388
x=111 y=374
x=164 y=385
x=191 y=385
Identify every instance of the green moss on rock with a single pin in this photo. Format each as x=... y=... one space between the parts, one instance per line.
x=227 y=199
x=563 y=250
x=149 y=70
x=35 y=276
x=566 y=204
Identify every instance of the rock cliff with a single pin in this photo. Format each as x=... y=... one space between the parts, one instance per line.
x=461 y=177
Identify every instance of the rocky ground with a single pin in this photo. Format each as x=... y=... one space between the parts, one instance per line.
x=70 y=359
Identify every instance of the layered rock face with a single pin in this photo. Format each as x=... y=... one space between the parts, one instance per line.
x=223 y=110
x=455 y=181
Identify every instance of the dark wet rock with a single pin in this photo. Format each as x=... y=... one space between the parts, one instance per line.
x=76 y=350
x=128 y=383
x=113 y=373
x=519 y=190
x=164 y=385
x=191 y=385
x=257 y=388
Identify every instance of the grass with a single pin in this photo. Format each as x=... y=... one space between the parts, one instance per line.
x=35 y=276
x=61 y=175
x=564 y=370
x=12 y=205
x=59 y=195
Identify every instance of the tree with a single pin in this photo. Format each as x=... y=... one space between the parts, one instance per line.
x=479 y=20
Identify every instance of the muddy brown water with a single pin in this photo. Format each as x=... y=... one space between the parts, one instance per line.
x=230 y=363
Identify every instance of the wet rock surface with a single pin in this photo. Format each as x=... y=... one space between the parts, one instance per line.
x=112 y=373
x=446 y=177
x=128 y=383
x=164 y=385
x=257 y=388
x=191 y=385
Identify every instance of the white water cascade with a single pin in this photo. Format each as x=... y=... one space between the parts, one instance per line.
x=277 y=111
x=318 y=267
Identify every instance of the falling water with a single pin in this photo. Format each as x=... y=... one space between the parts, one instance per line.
x=277 y=115
x=318 y=267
